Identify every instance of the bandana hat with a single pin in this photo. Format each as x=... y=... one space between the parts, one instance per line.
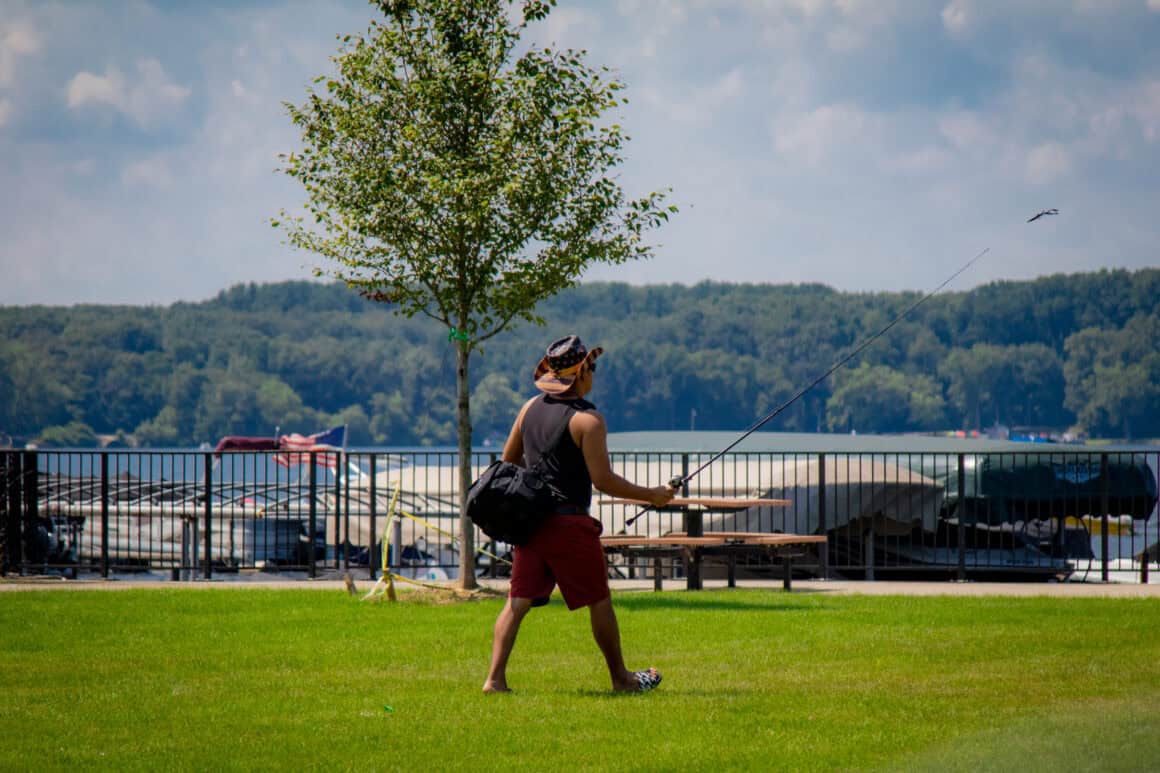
x=561 y=365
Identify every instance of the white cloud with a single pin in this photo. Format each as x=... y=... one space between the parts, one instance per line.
x=1047 y=163
x=564 y=25
x=1091 y=7
x=965 y=129
x=698 y=106
x=1146 y=110
x=1154 y=5
x=808 y=7
x=152 y=172
x=16 y=39
x=1061 y=117
x=846 y=39
x=925 y=160
x=155 y=82
x=764 y=116
x=728 y=87
x=151 y=99
x=956 y=18
x=86 y=88
x=1119 y=119
x=876 y=12
x=814 y=136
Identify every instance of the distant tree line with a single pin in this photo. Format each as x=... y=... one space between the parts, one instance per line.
x=1067 y=351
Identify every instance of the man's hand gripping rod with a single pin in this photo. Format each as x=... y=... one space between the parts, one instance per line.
x=679 y=480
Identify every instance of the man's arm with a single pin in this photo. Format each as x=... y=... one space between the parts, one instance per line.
x=591 y=435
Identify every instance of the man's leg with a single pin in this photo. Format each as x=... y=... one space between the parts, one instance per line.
x=507 y=625
x=607 y=634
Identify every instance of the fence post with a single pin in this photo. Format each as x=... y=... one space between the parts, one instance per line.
x=208 y=462
x=5 y=498
x=105 y=515
x=313 y=520
x=341 y=536
x=188 y=568
x=962 y=575
x=694 y=527
x=30 y=507
x=1104 y=507
x=9 y=512
x=372 y=553
x=684 y=474
x=822 y=515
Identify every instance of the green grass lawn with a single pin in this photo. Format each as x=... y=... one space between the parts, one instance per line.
x=248 y=679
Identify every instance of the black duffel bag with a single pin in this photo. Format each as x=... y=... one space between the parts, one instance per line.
x=509 y=502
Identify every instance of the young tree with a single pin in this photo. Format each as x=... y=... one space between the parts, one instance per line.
x=450 y=177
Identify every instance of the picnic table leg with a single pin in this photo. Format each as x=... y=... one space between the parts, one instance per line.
x=692 y=569
x=657 y=574
x=732 y=571
x=694 y=527
x=787 y=580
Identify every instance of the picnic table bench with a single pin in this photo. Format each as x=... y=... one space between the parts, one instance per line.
x=693 y=544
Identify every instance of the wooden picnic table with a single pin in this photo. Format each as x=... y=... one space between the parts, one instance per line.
x=693 y=544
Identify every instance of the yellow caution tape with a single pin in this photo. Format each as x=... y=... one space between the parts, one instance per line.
x=430 y=525
x=388 y=577
x=412 y=581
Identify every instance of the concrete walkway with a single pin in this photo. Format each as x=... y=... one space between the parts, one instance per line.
x=836 y=587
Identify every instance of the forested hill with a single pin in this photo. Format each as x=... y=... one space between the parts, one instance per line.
x=1063 y=351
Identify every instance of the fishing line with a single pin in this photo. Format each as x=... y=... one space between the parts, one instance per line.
x=680 y=480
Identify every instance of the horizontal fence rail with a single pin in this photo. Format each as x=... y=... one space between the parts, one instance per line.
x=182 y=515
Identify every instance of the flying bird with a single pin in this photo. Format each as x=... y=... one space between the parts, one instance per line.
x=1044 y=212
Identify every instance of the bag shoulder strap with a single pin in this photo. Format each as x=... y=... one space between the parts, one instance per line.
x=556 y=436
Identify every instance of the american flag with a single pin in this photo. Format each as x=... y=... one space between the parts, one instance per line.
x=331 y=440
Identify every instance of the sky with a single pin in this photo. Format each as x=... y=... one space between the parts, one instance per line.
x=862 y=144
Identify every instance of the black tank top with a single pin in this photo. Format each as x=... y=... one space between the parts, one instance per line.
x=564 y=464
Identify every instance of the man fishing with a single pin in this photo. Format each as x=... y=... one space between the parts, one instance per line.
x=566 y=550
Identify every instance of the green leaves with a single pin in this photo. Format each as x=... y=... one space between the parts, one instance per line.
x=452 y=180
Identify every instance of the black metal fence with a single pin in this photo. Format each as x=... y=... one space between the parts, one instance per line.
x=1040 y=514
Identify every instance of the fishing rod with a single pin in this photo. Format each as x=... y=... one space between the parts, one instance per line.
x=681 y=480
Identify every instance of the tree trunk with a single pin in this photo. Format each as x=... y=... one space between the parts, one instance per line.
x=466 y=530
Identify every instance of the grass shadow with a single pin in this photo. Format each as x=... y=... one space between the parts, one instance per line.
x=663 y=692
x=691 y=600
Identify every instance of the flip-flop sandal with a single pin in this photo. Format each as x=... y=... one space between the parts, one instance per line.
x=647 y=680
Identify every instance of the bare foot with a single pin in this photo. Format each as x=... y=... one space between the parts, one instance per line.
x=490 y=687
x=638 y=681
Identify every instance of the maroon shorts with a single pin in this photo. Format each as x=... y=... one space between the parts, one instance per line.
x=566 y=551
